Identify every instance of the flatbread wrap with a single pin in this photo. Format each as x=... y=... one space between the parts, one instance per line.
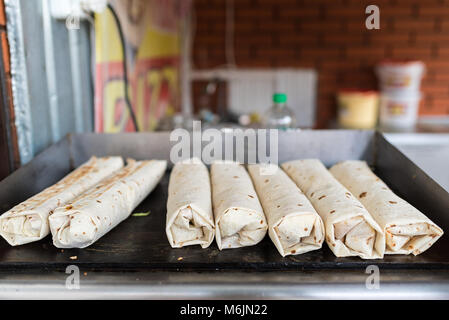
x=28 y=221
x=239 y=217
x=350 y=229
x=293 y=224
x=407 y=230
x=190 y=219
x=93 y=214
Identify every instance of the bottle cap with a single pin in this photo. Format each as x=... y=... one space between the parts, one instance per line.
x=279 y=98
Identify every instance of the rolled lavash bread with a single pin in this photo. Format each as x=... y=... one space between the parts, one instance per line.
x=28 y=221
x=97 y=211
x=293 y=224
x=350 y=229
x=190 y=219
x=407 y=230
x=239 y=217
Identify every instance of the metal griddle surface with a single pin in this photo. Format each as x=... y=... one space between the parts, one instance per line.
x=140 y=243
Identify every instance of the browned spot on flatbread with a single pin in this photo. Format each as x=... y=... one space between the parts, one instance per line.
x=392 y=202
x=250 y=196
x=322 y=197
x=332 y=211
x=69 y=207
x=293 y=251
x=363 y=194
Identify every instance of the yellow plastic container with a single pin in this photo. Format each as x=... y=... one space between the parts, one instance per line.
x=357 y=109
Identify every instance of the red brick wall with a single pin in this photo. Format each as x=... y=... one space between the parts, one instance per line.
x=331 y=37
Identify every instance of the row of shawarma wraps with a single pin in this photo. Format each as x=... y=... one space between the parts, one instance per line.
x=300 y=206
x=85 y=205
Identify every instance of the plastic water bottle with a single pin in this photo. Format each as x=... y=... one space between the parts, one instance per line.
x=279 y=116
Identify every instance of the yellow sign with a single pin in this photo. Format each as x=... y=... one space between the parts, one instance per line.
x=152 y=46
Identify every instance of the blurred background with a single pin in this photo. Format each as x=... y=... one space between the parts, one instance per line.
x=72 y=66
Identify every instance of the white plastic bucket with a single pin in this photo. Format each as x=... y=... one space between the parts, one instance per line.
x=405 y=75
x=399 y=110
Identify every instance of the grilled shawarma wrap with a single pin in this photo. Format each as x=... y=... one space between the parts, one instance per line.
x=293 y=224
x=407 y=230
x=350 y=229
x=239 y=217
x=96 y=212
x=189 y=206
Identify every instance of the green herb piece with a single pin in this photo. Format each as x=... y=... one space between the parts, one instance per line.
x=141 y=214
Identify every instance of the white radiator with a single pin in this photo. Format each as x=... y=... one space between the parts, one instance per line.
x=252 y=90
